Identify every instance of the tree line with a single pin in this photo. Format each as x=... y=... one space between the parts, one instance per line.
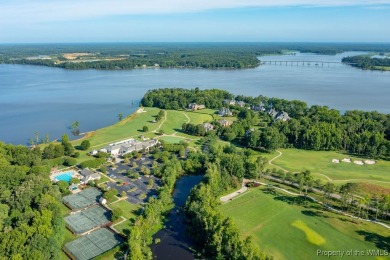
x=366 y=62
x=31 y=225
x=313 y=128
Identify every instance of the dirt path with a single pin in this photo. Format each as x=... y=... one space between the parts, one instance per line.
x=165 y=119
x=276 y=157
x=188 y=119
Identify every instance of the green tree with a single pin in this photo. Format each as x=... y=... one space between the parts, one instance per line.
x=145 y=128
x=110 y=194
x=74 y=181
x=116 y=214
x=85 y=145
x=120 y=116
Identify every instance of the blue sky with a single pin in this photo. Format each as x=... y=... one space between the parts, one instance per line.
x=194 y=21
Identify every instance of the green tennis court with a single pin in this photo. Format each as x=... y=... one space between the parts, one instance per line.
x=88 y=219
x=83 y=199
x=92 y=244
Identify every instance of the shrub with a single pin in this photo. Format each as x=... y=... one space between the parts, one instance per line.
x=69 y=161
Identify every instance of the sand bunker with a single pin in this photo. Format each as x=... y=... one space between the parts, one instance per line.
x=358 y=162
x=335 y=161
x=369 y=162
x=347 y=160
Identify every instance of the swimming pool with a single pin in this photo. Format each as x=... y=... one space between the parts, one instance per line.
x=65 y=176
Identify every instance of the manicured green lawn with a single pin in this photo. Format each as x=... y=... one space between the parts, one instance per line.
x=200 y=116
x=128 y=208
x=124 y=227
x=102 y=179
x=320 y=164
x=171 y=139
x=129 y=127
x=174 y=122
x=286 y=230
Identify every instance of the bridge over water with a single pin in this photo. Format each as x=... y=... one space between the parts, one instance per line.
x=304 y=63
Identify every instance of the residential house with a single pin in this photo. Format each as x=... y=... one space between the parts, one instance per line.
x=240 y=103
x=228 y=102
x=225 y=123
x=194 y=106
x=208 y=127
x=89 y=175
x=225 y=112
x=281 y=115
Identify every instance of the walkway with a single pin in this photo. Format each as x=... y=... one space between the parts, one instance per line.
x=234 y=194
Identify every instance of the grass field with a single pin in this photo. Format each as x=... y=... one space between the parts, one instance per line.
x=129 y=210
x=320 y=164
x=285 y=229
x=171 y=139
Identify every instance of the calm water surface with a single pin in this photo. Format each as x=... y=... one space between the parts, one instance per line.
x=47 y=100
x=174 y=244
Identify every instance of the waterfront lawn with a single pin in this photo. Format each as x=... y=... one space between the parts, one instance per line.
x=130 y=127
x=285 y=229
x=320 y=164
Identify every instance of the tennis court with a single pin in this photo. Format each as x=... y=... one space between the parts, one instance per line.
x=88 y=219
x=83 y=199
x=93 y=244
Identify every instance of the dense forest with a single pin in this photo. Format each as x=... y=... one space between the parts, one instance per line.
x=188 y=55
x=312 y=128
x=366 y=62
x=31 y=224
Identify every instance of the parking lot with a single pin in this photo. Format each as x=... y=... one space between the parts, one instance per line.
x=137 y=190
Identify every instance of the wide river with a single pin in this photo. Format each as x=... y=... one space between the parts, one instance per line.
x=47 y=100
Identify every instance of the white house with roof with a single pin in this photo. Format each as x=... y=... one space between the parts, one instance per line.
x=225 y=112
x=194 y=106
x=208 y=127
x=89 y=175
x=278 y=115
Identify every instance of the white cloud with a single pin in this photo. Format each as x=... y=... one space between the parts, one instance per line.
x=56 y=10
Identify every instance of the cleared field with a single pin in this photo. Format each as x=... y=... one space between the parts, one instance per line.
x=284 y=228
x=320 y=164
